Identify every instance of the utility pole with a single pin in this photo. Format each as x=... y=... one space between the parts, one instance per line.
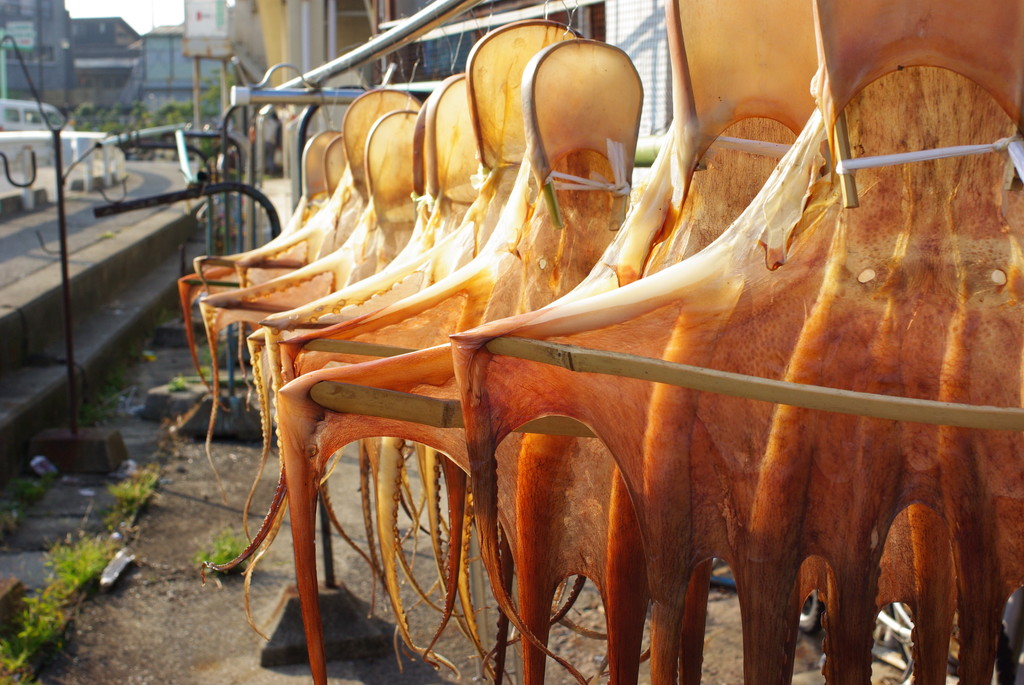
x=195 y=93
x=39 y=47
x=3 y=66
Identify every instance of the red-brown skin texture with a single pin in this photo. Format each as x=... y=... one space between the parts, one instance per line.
x=513 y=282
x=766 y=487
x=587 y=533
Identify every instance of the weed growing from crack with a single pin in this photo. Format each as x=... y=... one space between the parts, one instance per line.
x=131 y=495
x=224 y=547
x=75 y=566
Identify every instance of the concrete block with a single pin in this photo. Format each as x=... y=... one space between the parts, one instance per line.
x=173 y=334
x=164 y=403
x=348 y=633
x=91 y=450
x=235 y=420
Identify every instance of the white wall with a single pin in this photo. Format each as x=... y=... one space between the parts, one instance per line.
x=638 y=27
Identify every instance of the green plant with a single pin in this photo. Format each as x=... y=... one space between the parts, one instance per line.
x=75 y=565
x=39 y=624
x=224 y=547
x=21 y=494
x=104 y=405
x=41 y=621
x=28 y=491
x=9 y=517
x=178 y=384
x=132 y=494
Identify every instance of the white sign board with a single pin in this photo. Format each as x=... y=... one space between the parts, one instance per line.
x=206 y=29
x=24 y=33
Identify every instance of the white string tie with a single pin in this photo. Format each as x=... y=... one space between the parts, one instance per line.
x=754 y=147
x=1013 y=146
x=478 y=179
x=617 y=159
x=424 y=199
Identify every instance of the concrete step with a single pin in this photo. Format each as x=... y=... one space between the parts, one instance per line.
x=123 y=281
x=31 y=309
x=34 y=397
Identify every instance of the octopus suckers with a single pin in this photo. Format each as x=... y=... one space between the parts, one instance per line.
x=866 y=275
x=998 y=276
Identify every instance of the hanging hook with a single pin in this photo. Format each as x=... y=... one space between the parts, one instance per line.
x=388 y=75
x=284 y=65
x=7 y=170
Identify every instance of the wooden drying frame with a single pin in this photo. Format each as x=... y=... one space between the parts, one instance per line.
x=369 y=401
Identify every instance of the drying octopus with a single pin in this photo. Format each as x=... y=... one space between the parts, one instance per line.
x=798 y=289
x=605 y=539
x=449 y=155
x=318 y=213
x=444 y=159
x=525 y=257
x=888 y=328
x=362 y=227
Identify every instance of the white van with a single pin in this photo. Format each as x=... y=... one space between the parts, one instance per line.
x=23 y=115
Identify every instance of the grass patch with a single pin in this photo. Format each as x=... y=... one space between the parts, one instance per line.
x=178 y=384
x=28 y=491
x=104 y=406
x=21 y=494
x=131 y=495
x=224 y=547
x=75 y=566
x=40 y=624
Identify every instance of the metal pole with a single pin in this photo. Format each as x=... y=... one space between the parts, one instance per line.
x=39 y=47
x=65 y=283
x=242 y=95
x=195 y=92
x=3 y=66
x=301 y=134
x=307 y=37
x=326 y=544
x=255 y=172
x=332 y=27
x=223 y=85
x=426 y=19
x=192 y=193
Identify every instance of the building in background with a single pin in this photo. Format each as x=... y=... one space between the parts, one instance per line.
x=163 y=73
x=43 y=28
x=308 y=34
x=106 y=51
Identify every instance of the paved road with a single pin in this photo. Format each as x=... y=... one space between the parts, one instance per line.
x=30 y=241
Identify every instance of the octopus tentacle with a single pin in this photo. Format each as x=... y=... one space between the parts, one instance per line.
x=265 y=529
x=332 y=515
x=388 y=475
x=266 y=425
